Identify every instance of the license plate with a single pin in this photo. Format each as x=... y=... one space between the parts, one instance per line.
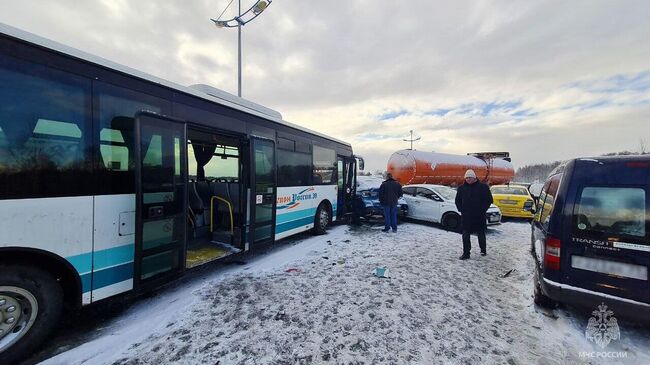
x=493 y=219
x=610 y=267
x=508 y=201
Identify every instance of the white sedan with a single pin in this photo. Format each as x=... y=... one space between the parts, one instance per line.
x=437 y=203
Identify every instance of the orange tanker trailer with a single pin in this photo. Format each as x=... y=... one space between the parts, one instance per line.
x=417 y=167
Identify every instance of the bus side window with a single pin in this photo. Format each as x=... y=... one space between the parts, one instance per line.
x=114 y=119
x=324 y=164
x=293 y=168
x=45 y=138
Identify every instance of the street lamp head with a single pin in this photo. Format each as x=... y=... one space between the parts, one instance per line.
x=259 y=7
x=220 y=23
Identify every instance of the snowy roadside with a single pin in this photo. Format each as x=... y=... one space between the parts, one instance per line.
x=330 y=308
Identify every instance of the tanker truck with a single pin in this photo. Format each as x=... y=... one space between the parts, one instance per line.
x=418 y=167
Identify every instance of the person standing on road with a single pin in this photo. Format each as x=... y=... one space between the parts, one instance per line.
x=389 y=192
x=473 y=200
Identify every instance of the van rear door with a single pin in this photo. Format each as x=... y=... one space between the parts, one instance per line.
x=607 y=246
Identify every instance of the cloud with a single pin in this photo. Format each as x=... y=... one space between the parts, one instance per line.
x=392 y=115
x=544 y=80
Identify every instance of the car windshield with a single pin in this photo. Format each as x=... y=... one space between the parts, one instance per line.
x=446 y=193
x=509 y=190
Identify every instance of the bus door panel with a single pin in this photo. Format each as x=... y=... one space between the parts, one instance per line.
x=263 y=191
x=346 y=184
x=351 y=181
x=161 y=198
x=341 y=167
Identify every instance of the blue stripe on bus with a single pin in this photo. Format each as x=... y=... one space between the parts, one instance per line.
x=112 y=275
x=85 y=282
x=279 y=228
x=113 y=256
x=118 y=257
x=103 y=258
x=291 y=216
x=106 y=277
x=83 y=263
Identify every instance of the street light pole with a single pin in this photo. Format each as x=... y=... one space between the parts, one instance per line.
x=239 y=50
x=240 y=20
x=411 y=140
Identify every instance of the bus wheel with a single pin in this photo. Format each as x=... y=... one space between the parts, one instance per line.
x=451 y=222
x=322 y=219
x=30 y=306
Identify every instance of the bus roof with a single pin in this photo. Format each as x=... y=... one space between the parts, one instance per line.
x=202 y=91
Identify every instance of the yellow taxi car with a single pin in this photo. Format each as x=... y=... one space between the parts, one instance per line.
x=513 y=200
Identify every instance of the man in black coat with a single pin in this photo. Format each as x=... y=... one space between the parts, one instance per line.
x=473 y=199
x=389 y=192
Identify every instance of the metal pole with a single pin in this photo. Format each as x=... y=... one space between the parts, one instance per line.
x=239 y=53
x=411 y=140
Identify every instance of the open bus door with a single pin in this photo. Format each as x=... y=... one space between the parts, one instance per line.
x=161 y=198
x=347 y=181
x=263 y=191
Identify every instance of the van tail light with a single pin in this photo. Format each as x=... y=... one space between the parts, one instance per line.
x=637 y=164
x=552 y=253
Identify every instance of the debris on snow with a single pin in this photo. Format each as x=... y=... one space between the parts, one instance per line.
x=382 y=272
x=279 y=316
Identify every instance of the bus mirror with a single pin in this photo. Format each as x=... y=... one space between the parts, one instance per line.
x=362 y=163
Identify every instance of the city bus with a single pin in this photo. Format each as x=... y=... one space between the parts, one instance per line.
x=113 y=181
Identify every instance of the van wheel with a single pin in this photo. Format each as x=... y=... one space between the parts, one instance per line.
x=451 y=222
x=31 y=302
x=322 y=219
x=538 y=297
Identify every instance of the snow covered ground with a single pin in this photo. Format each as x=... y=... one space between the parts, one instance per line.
x=315 y=300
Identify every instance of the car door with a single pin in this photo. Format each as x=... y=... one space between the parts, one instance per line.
x=429 y=204
x=409 y=196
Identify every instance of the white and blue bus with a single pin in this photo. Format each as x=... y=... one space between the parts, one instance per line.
x=114 y=181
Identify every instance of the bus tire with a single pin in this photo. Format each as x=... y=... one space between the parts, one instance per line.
x=322 y=219
x=451 y=222
x=34 y=299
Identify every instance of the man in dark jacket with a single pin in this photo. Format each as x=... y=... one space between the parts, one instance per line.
x=389 y=192
x=473 y=200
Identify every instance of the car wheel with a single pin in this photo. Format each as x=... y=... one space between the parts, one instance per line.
x=31 y=302
x=538 y=297
x=322 y=219
x=451 y=222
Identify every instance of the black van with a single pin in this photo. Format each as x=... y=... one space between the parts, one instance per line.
x=591 y=235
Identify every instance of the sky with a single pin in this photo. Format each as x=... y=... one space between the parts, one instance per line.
x=544 y=80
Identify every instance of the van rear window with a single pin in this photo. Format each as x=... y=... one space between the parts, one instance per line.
x=615 y=211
